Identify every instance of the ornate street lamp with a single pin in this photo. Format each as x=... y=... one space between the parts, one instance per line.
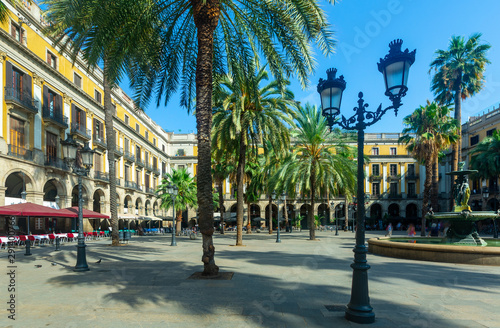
x=80 y=161
x=173 y=190
x=281 y=199
x=395 y=68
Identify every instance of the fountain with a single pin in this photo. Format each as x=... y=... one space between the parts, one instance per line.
x=461 y=244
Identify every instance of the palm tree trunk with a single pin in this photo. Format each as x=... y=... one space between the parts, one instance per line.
x=206 y=17
x=346 y=213
x=178 y=222
x=427 y=192
x=221 y=206
x=456 y=153
x=270 y=212
x=285 y=214
x=435 y=184
x=249 y=219
x=240 y=173
x=110 y=146
x=312 y=179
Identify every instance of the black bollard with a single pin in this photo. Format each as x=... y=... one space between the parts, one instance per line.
x=58 y=244
x=28 y=247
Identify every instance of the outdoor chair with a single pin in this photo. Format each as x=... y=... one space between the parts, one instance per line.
x=33 y=240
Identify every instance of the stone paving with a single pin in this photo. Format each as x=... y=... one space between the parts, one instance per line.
x=144 y=284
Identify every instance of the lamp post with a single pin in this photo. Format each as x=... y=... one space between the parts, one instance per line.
x=395 y=68
x=486 y=195
x=281 y=199
x=80 y=160
x=173 y=190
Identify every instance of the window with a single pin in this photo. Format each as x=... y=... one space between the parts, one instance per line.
x=375 y=151
x=411 y=169
x=137 y=128
x=51 y=143
x=114 y=108
x=180 y=152
x=146 y=157
x=154 y=142
x=97 y=162
x=393 y=151
x=393 y=188
x=127 y=173
x=97 y=96
x=376 y=189
x=393 y=169
x=163 y=148
x=127 y=119
x=138 y=177
x=51 y=104
x=180 y=167
x=163 y=167
x=474 y=140
x=146 y=134
x=77 y=80
x=138 y=153
x=51 y=59
x=375 y=169
x=412 y=191
x=17 y=136
x=79 y=118
x=17 y=32
x=146 y=181
x=489 y=133
x=39 y=224
x=127 y=144
x=17 y=83
x=155 y=163
x=98 y=130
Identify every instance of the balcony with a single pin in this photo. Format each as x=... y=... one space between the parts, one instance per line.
x=118 y=182
x=394 y=177
x=99 y=141
x=412 y=176
x=156 y=171
x=148 y=167
x=118 y=151
x=129 y=156
x=394 y=196
x=130 y=185
x=375 y=178
x=57 y=118
x=103 y=176
x=81 y=131
x=139 y=162
x=150 y=190
x=21 y=100
x=20 y=152
x=56 y=163
x=412 y=196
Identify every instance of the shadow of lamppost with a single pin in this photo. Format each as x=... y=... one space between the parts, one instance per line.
x=395 y=68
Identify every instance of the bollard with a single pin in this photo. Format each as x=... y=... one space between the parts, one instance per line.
x=28 y=247
x=58 y=244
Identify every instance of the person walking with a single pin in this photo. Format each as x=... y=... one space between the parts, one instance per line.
x=389 y=230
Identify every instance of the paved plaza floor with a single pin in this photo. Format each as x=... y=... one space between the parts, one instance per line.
x=145 y=284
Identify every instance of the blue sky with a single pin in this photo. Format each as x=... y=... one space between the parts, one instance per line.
x=363 y=30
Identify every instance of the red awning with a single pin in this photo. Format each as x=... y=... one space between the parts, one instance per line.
x=87 y=213
x=30 y=209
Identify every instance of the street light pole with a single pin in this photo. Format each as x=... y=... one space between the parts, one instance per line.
x=173 y=190
x=395 y=68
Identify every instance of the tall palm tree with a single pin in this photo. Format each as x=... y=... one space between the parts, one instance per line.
x=428 y=130
x=93 y=28
x=459 y=74
x=186 y=196
x=485 y=158
x=203 y=37
x=316 y=157
x=249 y=113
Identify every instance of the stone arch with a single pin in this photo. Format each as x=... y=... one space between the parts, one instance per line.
x=18 y=181
x=147 y=206
x=305 y=212
x=127 y=205
x=324 y=213
x=97 y=201
x=233 y=208
x=393 y=210
x=290 y=208
x=340 y=211
x=138 y=206
x=274 y=214
x=254 y=211
x=118 y=207
x=492 y=204
x=411 y=211
x=50 y=191
x=156 y=208
x=376 y=211
x=74 y=196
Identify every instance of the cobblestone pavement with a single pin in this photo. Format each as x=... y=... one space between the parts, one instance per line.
x=144 y=284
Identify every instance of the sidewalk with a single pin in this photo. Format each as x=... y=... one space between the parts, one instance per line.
x=144 y=284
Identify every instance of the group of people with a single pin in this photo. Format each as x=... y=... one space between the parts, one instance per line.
x=434 y=230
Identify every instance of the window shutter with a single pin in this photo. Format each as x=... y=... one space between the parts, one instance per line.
x=27 y=85
x=101 y=130
x=12 y=30
x=45 y=99
x=73 y=114
x=8 y=70
x=83 y=119
x=59 y=105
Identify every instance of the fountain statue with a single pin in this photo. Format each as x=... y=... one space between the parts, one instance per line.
x=462 y=230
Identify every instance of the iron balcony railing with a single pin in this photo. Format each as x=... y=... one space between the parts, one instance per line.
x=129 y=156
x=19 y=97
x=20 y=152
x=81 y=130
x=101 y=175
x=56 y=117
x=139 y=162
x=156 y=171
x=130 y=185
x=148 y=167
x=100 y=141
x=56 y=162
x=412 y=176
x=118 y=182
x=150 y=190
x=119 y=150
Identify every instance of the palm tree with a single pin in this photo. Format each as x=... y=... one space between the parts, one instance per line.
x=186 y=196
x=485 y=158
x=92 y=28
x=458 y=76
x=220 y=172
x=201 y=38
x=428 y=130
x=248 y=114
x=316 y=157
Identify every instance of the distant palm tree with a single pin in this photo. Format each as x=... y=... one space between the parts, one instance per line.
x=316 y=157
x=185 y=198
x=459 y=74
x=247 y=115
x=485 y=158
x=428 y=130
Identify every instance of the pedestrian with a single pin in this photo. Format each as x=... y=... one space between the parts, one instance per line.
x=411 y=230
x=389 y=230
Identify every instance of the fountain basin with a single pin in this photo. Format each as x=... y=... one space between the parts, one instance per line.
x=476 y=255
